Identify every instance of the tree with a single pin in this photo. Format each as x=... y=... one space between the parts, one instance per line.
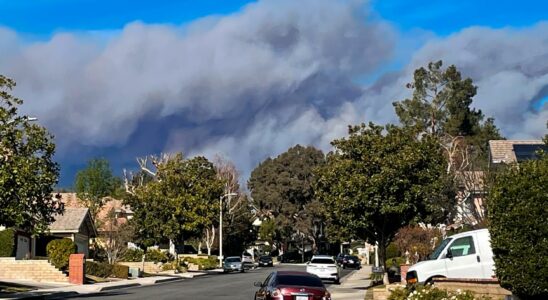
x=27 y=170
x=175 y=198
x=380 y=179
x=237 y=215
x=119 y=232
x=282 y=188
x=517 y=217
x=441 y=106
x=417 y=239
x=94 y=183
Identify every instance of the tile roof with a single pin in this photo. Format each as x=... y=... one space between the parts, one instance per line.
x=502 y=151
x=70 y=221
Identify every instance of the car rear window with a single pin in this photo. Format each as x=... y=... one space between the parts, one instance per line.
x=300 y=280
x=233 y=259
x=322 y=261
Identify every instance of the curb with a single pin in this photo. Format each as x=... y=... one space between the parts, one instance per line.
x=116 y=287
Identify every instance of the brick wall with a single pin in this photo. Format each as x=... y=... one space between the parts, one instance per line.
x=480 y=287
x=150 y=267
x=37 y=270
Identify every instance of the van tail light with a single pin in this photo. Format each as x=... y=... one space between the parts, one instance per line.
x=326 y=296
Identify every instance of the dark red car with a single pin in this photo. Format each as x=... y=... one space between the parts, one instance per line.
x=292 y=285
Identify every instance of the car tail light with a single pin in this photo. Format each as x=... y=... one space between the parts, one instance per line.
x=277 y=293
x=326 y=296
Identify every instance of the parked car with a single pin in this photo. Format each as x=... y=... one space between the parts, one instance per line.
x=325 y=267
x=463 y=255
x=340 y=257
x=290 y=257
x=233 y=264
x=266 y=261
x=350 y=261
x=247 y=260
x=291 y=285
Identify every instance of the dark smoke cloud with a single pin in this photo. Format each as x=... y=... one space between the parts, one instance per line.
x=252 y=84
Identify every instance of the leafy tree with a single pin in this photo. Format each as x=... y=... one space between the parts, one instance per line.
x=282 y=188
x=27 y=170
x=380 y=179
x=238 y=231
x=517 y=217
x=441 y=105
x=179 y=200
x=94 y=183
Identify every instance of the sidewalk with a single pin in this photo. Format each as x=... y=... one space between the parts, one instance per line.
x=68 y=290
x=354 y=286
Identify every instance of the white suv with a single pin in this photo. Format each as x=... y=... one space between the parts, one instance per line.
x=325 y=267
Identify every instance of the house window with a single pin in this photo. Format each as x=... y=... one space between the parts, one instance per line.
x=463 y=246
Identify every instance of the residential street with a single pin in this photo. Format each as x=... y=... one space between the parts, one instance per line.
x=233 y=286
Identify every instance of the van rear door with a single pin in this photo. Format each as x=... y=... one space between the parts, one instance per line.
x=465 y=260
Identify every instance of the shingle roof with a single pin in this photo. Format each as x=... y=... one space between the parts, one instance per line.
x=70 y=221
x=502 y=151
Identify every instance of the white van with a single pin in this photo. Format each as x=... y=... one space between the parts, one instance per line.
x=463 y=255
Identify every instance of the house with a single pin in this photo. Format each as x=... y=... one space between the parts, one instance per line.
x=514 y=151
x=74 y=223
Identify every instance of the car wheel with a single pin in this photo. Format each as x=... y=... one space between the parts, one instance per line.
x=242 y=270
x=337 y=281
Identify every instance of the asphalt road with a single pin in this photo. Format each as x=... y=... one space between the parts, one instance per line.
x=233 y=286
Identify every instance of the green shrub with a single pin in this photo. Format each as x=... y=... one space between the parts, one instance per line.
x=132 y=255
x=428 y=292
x=98 y=269
x=399 y=261
x=59 y=252
x=120 y=271
x=392 y=251
x=156 y=256
x=104 y=270
x=7 y=243
x=517 y=217
x=206 y=263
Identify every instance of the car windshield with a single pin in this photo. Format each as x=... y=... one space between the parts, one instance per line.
x=322 y=261
x=233 y=259
x=439 y=249
x=299 y=280
x=265 y=258
x=353 y=257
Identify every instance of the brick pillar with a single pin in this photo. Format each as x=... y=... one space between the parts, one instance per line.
x=403 y=272
x=76 y=269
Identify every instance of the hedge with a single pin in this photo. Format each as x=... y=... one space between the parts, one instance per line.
x=105 y=270
x=517 y=214
x=59 y=252
x=7 y=243
x=206 y=263
x=154 y=255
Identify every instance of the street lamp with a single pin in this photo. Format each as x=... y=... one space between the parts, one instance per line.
x=221 y=225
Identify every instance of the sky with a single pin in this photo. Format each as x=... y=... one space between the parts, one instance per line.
x=249 y=79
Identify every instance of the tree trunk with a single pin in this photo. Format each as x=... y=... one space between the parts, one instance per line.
x=382 y=254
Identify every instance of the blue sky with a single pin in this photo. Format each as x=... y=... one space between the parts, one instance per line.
x=43 y=17
x=251 y=86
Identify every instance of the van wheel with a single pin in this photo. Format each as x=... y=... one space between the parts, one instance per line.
x=430 y=280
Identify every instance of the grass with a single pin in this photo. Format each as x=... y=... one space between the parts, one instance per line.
x=6 y=288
